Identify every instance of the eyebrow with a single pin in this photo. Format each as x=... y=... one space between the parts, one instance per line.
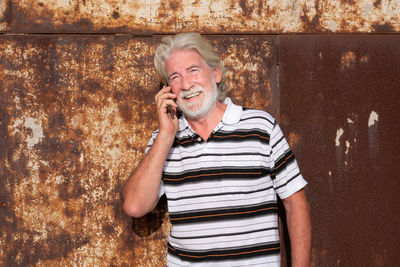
x=169 y=75
x=193 y=66
x=188 y=68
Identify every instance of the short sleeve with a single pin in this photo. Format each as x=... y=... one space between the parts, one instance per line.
x=153 y=137
x=286 y=176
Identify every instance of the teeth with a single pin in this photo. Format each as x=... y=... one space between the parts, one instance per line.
x=192 y=95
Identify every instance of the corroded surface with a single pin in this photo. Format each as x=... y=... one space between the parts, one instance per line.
x=5 y=15
x=340 y=104
x=222 y=16
x=252 y=74
x=72 y=130
x=75 y=115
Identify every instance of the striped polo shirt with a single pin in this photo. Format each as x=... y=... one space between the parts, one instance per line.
x=222 y=192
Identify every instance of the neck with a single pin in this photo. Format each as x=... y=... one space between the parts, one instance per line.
x=205 y=125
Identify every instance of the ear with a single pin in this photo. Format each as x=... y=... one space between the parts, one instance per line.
x=218 y=74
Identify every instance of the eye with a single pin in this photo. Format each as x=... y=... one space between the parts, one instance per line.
x=173 y=79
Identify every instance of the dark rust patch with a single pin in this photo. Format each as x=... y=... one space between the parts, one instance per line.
x=91 y=86
x=174 y=5
x=108 y=57
x=43 y=22
x=55 y=245
x=115 y=14
x=245 y=6
x=348 y=2
x=5 y=141
x=313 y=24
x=377 y=3
x=383 y=28
x=260 y=7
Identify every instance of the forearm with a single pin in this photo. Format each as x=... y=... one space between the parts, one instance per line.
x=299 y=226
x=141 y=190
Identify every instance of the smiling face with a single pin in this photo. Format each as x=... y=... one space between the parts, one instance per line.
x=193 y=81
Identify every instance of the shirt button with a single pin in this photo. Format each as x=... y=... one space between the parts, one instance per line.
x=199 y=139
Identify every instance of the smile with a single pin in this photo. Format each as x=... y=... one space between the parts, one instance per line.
x=192 y=95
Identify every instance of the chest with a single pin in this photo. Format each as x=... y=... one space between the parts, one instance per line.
x=217 y=167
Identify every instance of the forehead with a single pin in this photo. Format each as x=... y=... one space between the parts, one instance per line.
x=183 y=59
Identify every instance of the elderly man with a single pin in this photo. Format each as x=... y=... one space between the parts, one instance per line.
x=220 y=166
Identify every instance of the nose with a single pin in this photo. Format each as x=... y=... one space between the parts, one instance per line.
x=186 y=82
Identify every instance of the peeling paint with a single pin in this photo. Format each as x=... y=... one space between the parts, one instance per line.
x=373 y=118
x=339 y=134
x=348 y=60
x=36 y=131
x=347 y=147
x=364 y=59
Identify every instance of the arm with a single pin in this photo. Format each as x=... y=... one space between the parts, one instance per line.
x=299 y=226
x=141 y=190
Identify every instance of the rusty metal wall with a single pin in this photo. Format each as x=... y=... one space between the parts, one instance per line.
x=208 y=16
x=76 y=111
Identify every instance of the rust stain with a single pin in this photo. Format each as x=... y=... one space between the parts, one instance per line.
x=293 y=139
x=208 y=16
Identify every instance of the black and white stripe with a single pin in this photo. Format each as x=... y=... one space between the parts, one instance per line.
x=222 y=193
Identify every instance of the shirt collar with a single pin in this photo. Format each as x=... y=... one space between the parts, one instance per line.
x=232 y=115
x=233 y=112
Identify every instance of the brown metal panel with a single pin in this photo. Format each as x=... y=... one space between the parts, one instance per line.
x=340 y=107
x=206 y=16
x=5 y=15
x=76 y=113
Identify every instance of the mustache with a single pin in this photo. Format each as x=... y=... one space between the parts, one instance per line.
x=193 y=90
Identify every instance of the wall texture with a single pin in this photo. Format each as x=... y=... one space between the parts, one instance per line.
x=76 y=111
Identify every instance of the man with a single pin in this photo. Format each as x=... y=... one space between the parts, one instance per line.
x=220 y=166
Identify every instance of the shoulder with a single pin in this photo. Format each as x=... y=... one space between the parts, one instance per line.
x=259 y=117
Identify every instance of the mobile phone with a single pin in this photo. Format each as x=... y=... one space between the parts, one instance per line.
x=170 y=110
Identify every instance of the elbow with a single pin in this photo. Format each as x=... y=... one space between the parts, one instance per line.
x=134 y=210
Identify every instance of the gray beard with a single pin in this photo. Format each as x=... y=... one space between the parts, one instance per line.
x=208 y=104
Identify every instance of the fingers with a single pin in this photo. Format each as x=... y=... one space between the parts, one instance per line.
x=164 y=98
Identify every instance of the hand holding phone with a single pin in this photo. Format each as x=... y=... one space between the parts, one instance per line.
x=170 y=110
